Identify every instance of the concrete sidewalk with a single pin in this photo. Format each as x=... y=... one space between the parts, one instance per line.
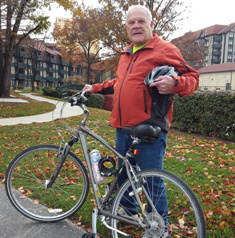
x=15 y=225
x=46 y=117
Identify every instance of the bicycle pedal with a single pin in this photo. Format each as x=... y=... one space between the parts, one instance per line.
x=89 y=235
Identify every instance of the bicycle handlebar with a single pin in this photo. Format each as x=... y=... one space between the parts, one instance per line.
x=78 y=99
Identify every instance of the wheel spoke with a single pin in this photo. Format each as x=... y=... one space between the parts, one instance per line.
x=28 y=174
x=180 y=216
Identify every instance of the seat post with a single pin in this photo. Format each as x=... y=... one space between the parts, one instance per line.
x=130 y=152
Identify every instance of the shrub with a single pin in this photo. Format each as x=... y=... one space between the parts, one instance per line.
x=108 y=102
x=51 y=92
x=71 y=92
x=207 y=113
x=96 y=101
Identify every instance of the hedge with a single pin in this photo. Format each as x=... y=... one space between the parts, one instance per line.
x=96 y=101
x=207 y=113
x=51 y=92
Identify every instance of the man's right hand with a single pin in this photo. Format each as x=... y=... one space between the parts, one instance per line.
x=88 y=88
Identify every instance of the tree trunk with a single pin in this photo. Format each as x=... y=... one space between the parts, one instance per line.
x=88 y=73
x=6 y=77
x=33 y=80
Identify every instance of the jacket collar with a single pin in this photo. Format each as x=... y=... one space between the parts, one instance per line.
x=150 y=45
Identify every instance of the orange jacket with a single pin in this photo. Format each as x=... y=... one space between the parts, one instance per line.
x=132 y=99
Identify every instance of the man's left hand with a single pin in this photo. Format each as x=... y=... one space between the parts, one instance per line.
x=164 y=84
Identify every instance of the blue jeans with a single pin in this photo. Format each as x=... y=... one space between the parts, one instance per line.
x=151 y=156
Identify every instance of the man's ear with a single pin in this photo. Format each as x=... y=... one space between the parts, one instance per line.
x=152 y=25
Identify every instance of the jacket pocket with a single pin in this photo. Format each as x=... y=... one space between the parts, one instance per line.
x=145 y=102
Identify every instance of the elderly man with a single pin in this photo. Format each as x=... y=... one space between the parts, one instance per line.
x=133 y=104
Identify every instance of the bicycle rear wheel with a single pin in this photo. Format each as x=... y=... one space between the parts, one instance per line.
x=181 y=216
x=28 y=174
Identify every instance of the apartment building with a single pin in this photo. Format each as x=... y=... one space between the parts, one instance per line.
x=219 y=43
x=36 y=58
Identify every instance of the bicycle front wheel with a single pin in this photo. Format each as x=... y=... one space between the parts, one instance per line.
x=26 y=180
x=169 y=205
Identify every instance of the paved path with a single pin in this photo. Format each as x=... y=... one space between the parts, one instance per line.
x=15 y=225
x=46 y=117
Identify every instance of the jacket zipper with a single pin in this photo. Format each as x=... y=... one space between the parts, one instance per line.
x=133 y=63
x=145 y=102
x=119 y=104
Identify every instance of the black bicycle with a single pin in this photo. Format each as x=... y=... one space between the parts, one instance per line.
x=49 y=183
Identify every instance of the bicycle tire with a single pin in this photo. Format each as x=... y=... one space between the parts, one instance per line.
x=25 y=184
x=183 y=216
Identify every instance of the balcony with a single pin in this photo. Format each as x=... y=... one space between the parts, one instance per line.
x=49 y=78
x=53 y=61
x=40 y=58
x=39 y=67
x=51 y=70
x=22 y=76
x=39 y=78
x=218 y=38
x=216 y=61
x=217 y=46
x=21 y=65
x=217 y=52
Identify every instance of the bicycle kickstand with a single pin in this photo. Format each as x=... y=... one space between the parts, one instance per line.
x=94 y=220
x=94 y=229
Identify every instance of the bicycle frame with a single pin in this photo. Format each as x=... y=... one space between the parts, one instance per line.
x=80 y=135
x=82 y=129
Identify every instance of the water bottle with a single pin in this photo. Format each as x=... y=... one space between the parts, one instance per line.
x=95 y=158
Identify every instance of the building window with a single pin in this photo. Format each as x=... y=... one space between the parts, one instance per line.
x=231 y=34
x=228 y=86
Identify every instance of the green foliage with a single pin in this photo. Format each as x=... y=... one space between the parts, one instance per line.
x=208 y=113
x=71 y=92
x=96 y=101
x=51 y=92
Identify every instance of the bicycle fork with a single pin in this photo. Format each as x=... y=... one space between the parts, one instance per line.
x=63 y=155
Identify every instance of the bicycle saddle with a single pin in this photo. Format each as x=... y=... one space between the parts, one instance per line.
x=159 y=71
x=143 y=131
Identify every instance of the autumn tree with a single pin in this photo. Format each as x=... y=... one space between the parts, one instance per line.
x=77 y=39
x=18 y=19
x=166 y=16
x=192 y=49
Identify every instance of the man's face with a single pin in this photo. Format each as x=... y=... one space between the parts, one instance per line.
x=139 y=27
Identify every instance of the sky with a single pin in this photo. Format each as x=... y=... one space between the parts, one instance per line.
x=204 y=13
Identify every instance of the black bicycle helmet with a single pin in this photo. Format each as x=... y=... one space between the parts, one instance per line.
x=159 y=71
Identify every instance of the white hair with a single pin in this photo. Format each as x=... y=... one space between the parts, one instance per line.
x=139 y=7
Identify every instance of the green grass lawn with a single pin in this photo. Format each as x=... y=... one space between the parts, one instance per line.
x=8 y=110
x=206 y=165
